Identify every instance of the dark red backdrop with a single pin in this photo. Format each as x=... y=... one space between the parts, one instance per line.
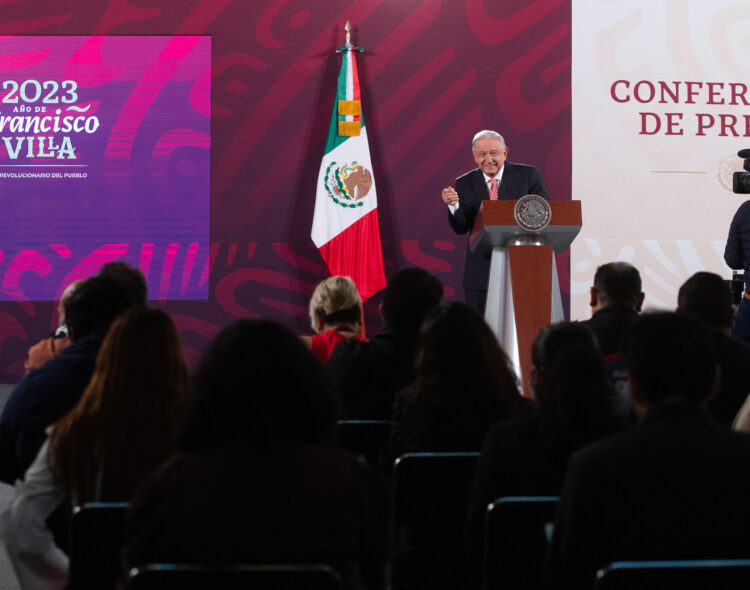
x=433 y=73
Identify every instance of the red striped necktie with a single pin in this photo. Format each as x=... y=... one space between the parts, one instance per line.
x=493 y=189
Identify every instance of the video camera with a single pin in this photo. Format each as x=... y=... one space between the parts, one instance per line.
x=741 y=180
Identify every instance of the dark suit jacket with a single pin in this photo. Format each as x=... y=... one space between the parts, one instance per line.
x=41 y=398
x=610 y=325
x=518 y=180
x=674 y=487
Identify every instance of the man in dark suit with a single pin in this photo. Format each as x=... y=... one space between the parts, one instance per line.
x=674 y=487
x=493 y=179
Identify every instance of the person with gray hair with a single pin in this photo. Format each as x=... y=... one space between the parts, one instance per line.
x=494 y=179
x=335 y=315
x=58 y=340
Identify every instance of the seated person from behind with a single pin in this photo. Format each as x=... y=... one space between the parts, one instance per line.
x=130 y=278
x=257 y=480
x=335 y=315
x=367 y=375
x=125 y=424
x=706 y=297
x=48 y=393
x=463 y=382
x=616 y=300
x=673 y=487
x=527 y=455
x=51 y=346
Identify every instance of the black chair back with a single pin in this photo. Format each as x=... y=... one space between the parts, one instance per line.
x=431 y=500
x=364 y=437
x=516 y=539
x=96 y=531
x=171 y=576
x=708 y=574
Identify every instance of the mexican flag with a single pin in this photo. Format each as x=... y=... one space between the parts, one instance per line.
x=345 y=224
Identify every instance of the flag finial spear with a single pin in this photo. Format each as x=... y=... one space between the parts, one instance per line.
x=346 y=46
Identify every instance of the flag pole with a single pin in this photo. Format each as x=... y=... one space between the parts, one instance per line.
x=345 y=225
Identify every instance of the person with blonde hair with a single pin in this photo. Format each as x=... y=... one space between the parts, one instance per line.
x=335 y=315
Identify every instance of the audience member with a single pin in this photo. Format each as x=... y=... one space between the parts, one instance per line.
x=527 y=455
x=463 y=383
x=124 y=426
x=367 y=375
x=335 y=315
x=674 y=487
x=48 y=393
x=706 y=297
x=127 y=276
x=616 y=299
x=53 y=345
x=737 y=257
x=257 y=480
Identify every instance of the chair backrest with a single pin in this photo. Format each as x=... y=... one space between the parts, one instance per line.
x=431 y=500
x=364 y=437
x=96 y=530
x=700 y=574
x=171 y=576
x=516 y=538
x=431 y=491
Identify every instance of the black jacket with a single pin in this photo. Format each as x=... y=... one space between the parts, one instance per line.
x=674 y=487
x=41 y=398
x=737 y=250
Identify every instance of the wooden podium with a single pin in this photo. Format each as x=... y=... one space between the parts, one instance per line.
x=523 y=293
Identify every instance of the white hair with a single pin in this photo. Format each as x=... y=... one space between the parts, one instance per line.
x=332 y=295
x=487 y=134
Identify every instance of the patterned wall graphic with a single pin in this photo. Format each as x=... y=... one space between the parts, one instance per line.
x=433 y=73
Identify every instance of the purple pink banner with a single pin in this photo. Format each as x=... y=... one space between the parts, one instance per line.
x=104 y=154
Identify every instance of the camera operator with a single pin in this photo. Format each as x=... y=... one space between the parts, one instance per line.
x=737 y=251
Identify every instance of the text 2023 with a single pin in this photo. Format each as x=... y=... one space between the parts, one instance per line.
x=31 y=91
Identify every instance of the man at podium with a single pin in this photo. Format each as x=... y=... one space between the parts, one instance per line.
x=495 y=178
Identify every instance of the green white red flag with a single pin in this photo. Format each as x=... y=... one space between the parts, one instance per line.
x=345 y=223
